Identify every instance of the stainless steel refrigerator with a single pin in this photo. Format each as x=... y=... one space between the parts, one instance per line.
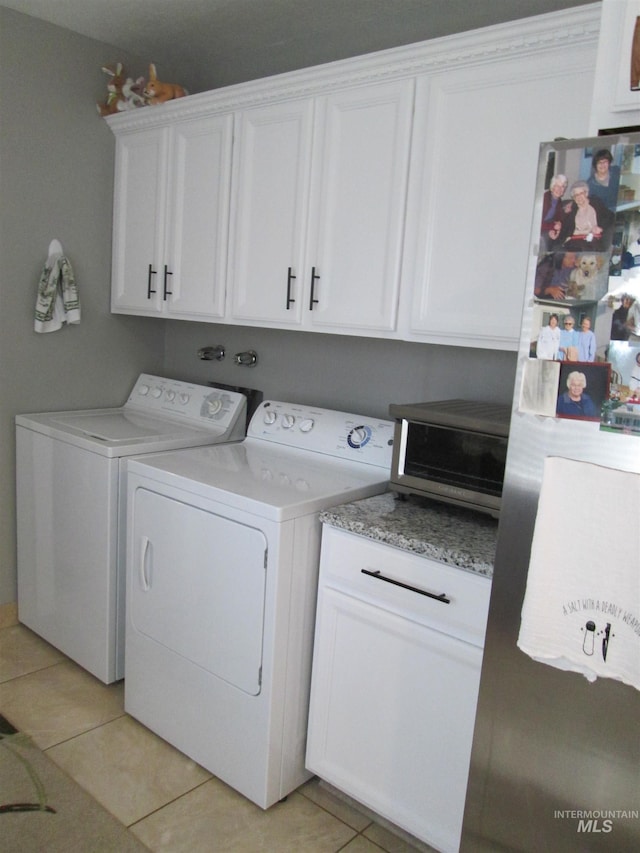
x=556 y=754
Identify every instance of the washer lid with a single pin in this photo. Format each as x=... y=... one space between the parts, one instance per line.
x=120 y=426
x=263 y=479
x=121 y=432
x=160 y=414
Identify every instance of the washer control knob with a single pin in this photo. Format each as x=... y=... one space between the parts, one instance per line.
x=288 y=421
x=306 y=425
x=214 y=406
x=170 y=395
x=143 y=390
x=157 y=393
x=270 y=417
x=359 y=436
x=184 y=398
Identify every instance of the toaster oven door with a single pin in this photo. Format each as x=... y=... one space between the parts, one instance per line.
x=449 y=463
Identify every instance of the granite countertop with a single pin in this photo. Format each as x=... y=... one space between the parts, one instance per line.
x=459 y=537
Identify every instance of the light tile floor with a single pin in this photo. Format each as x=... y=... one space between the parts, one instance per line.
x=166 y=800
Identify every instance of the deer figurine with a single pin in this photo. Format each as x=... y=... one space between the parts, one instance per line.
x=158 y=93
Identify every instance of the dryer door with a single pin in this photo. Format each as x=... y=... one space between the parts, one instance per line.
x=196 y=586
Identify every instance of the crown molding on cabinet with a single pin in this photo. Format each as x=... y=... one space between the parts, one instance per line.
x=570 y=27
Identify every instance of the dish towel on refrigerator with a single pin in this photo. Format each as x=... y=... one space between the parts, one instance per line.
x=581 y=609
x=57 y=301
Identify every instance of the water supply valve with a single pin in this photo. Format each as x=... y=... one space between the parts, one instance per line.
x=248 y=358
x=216 y=353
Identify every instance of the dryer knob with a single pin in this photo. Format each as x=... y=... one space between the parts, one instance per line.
x=359 y=436
x=270 y=417
x=143 y=390
x=170 y=395
x=306 y=425
x=288 y=421
x=157 y=393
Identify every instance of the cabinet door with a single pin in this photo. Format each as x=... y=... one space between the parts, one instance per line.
x=392 y=715
x=196 y=250
x=357 y=207
x=474 y=161
x=140 y=204
x=616 y=96
x=271 y=180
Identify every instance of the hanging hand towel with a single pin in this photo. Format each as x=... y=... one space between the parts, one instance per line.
x=581 y=609
x=57 y=302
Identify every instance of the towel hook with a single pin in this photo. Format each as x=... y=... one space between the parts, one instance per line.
x=55 y=248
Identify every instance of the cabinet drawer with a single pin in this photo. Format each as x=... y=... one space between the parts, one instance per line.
x=444 y=597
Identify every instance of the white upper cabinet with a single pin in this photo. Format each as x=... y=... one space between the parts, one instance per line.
x=390 y=195
x=271 y=180
x=318 y=210
x=171 y=213
x=358 y=200
x=616 y=96
x=473 y=175
x=140 y=203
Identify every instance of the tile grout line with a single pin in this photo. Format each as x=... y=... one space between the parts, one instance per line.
x=170 y=802
x=128 y=827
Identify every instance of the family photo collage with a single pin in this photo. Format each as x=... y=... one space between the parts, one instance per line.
x=584 y=348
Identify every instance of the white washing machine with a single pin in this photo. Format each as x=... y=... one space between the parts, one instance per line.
x=70 y=507
x=223 y=549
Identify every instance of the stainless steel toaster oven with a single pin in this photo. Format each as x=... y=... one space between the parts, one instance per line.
x=451 y=450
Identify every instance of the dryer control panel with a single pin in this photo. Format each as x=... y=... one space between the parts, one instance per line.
x=358 y=438
x=200 y=405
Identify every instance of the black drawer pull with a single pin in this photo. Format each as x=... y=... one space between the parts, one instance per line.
x=290 y=277
x=150 y=290
x=442 y=597
x=166 y=292
x=312 y=298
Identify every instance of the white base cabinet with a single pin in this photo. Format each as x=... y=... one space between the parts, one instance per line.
x=395 y=682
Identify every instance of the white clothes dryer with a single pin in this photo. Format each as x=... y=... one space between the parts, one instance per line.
x=223 y=549
x=70 y=507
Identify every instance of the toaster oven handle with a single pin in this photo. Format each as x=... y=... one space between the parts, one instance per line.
x=442 y=598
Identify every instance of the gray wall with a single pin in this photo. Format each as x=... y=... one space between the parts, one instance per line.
x=56 y=180
x=359 y=375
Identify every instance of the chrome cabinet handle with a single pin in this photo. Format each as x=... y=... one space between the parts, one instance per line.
x=442 y=598
x=312 y=300
x=290 y=277
x=150 y=290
